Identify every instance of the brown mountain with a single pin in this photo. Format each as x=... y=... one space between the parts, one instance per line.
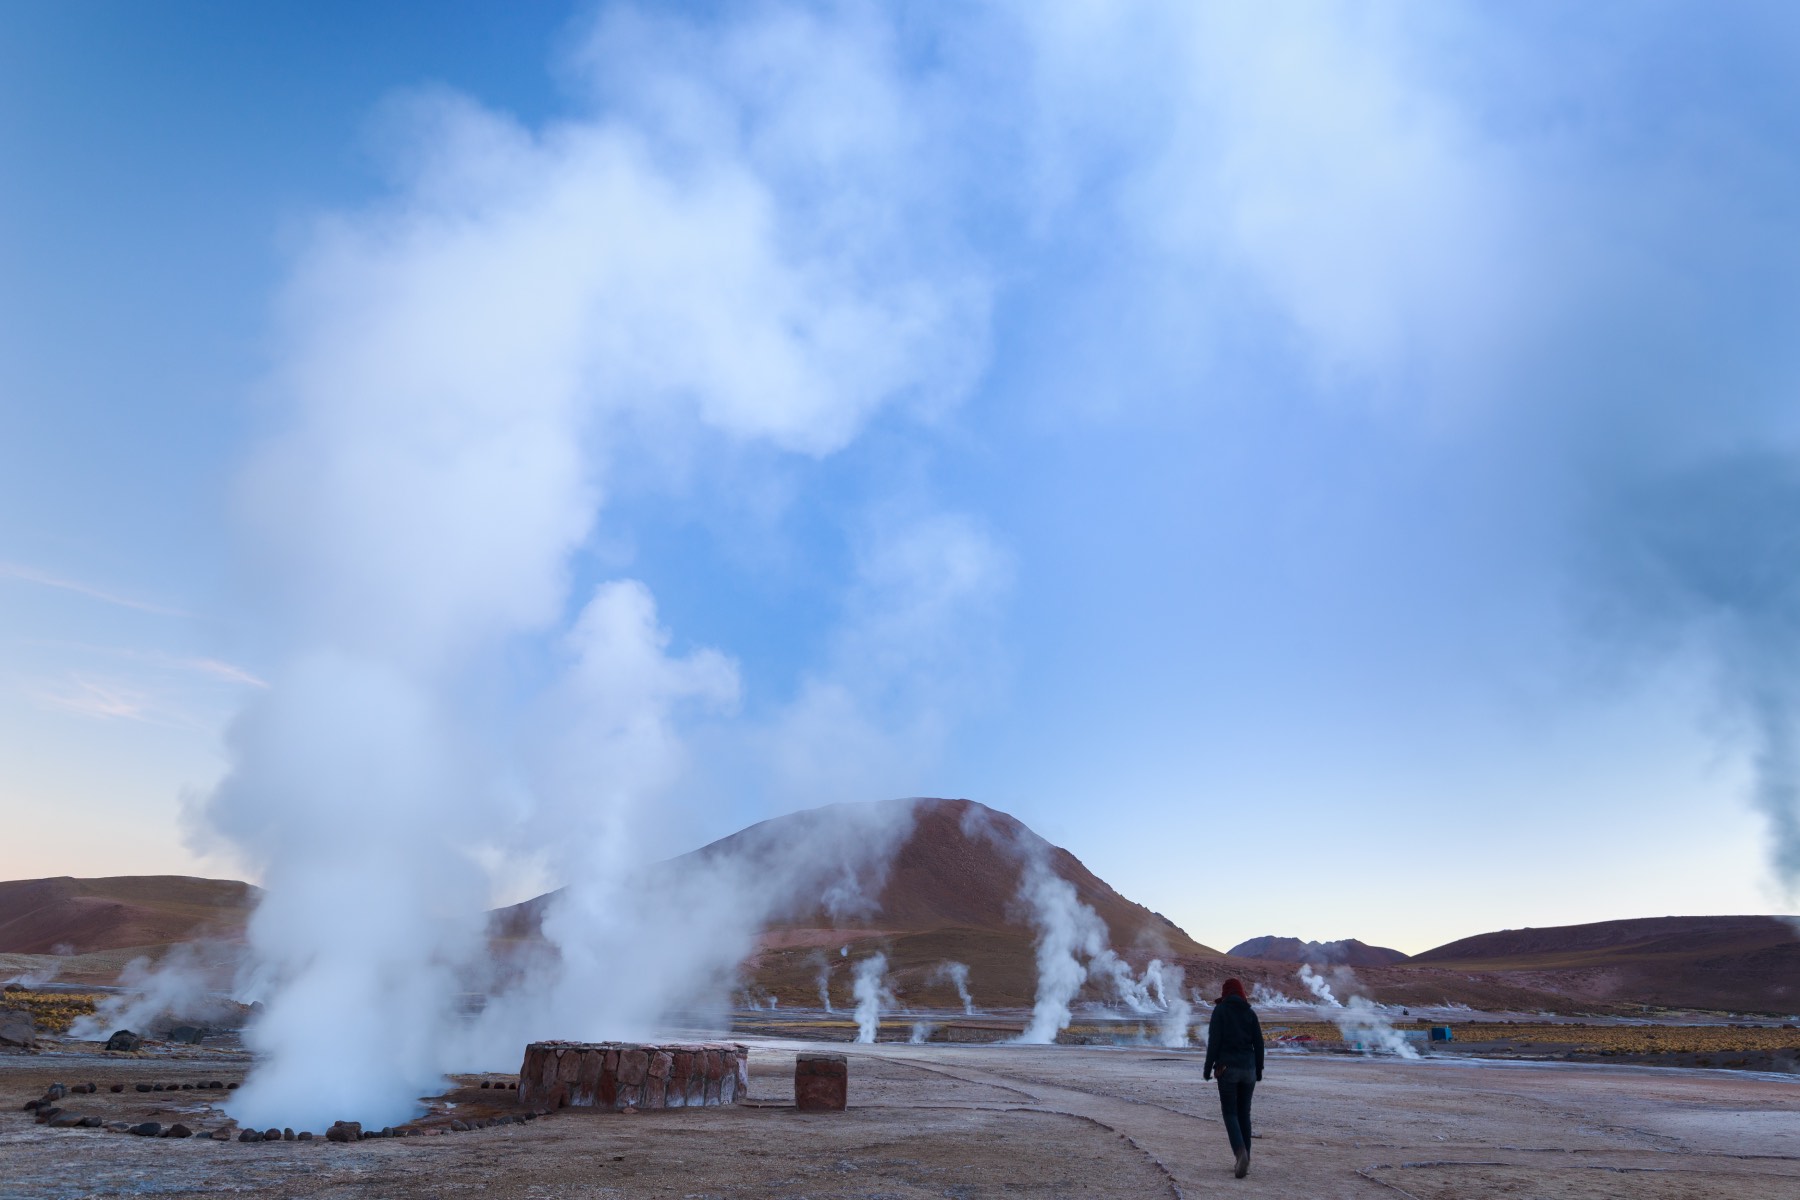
x=1348 y=951
x=1746 y=964
x=948 y=893
x=83 y=916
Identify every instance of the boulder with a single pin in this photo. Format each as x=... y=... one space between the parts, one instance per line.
x=186 y=1035
x=147 y=1129
x=124 y=1040
x=17 y=1029
x=66 y=1121
x=91 y=1122
x=117 y=1087
x=249 y=1135
x=344 y=1131
x=178 y=1130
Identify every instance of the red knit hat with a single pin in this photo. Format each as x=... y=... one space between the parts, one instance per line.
x=1234 y=987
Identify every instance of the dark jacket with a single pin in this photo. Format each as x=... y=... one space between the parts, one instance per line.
x=1233 y=1037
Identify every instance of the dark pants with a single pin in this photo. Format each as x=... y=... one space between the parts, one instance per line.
x=1235 y=1086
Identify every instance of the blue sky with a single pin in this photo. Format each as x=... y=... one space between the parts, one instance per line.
x=1330 y=470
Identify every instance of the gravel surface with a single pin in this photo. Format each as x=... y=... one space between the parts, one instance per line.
x=963 y=1121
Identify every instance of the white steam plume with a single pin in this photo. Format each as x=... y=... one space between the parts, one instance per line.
x=1361 y=1020
x=872 y=995
x=1178 y=1013
x=183 y=988
x=465 y=372
x=957 y=975
x=823 y=981
x=1067 y=931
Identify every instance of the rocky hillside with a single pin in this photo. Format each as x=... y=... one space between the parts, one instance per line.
x=68 y=916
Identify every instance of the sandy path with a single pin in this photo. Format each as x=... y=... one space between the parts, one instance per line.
x=968 y=1122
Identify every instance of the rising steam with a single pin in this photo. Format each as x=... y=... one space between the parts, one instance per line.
x=870 y=988
x=467 y=371
x=957 y=975
x=1361 y=1020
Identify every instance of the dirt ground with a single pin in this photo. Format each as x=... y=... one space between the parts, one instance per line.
x=980 y=1121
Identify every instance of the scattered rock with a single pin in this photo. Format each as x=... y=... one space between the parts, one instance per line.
x=287 y=1135
x=186 y=1035
x=231 y=1087
x=220 y=1135
x=125 y=1040
x=143 y=1087
x=119 y=1126
x=47 y=1112
x=344 y=1131
x=249 y=1135
x=32 y=1105
x=55 y=1091
x=271 y=1135
x=156 y=1087
x=460 y=1126
x=178 y=1130
x=66 y=1121
x=117 y=1087
x=147 y=1129
x=305 y=1135
x=91 y=1122
x=17 y=1029
x=486 y=1084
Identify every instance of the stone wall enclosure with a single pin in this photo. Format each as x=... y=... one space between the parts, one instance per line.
x=621 y=1075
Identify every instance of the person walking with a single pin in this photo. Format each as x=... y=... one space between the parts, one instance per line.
x=1234 y=1052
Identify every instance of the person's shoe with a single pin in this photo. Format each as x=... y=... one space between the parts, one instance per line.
x=1243 y=1164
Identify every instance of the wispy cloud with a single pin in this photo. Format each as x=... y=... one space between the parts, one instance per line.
x=214 y=668
x=116 y=700
x=44 y=579
x=96 y=698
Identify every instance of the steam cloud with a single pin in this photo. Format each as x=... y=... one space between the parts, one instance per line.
x=1361 y=1020
x=467 y=371
x=1070 y=931
x=956 y=974
x=870 y=988
x=182 y=988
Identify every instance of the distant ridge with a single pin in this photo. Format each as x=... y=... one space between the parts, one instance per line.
x=1348 y=952
x=64 y=915
x=950 y=894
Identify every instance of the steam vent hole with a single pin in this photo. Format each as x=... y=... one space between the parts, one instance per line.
x=621 y=1075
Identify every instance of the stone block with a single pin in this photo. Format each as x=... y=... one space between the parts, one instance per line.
x=821 y=1082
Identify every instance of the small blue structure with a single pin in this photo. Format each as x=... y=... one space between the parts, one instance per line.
x=1442 y=1033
